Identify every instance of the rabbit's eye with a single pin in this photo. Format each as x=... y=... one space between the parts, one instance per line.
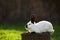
x=29 y=24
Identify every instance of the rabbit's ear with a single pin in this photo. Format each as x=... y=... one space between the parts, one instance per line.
x=33 y=17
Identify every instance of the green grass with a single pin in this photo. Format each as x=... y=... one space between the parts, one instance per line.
x=10 y=35
x=13 y=32
x=56 y=34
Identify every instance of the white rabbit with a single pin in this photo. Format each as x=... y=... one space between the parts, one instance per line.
x=40 y=27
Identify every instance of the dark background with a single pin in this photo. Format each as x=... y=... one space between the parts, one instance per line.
x=16 y=11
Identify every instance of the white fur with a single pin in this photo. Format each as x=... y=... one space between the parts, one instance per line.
x=42 y=26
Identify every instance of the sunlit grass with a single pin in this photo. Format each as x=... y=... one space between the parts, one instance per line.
x=10 y=35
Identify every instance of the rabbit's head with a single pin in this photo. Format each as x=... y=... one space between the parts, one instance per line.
x=31 y=23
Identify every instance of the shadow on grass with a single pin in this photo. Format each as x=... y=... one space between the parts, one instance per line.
x=56 y=34
x=19 y=26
